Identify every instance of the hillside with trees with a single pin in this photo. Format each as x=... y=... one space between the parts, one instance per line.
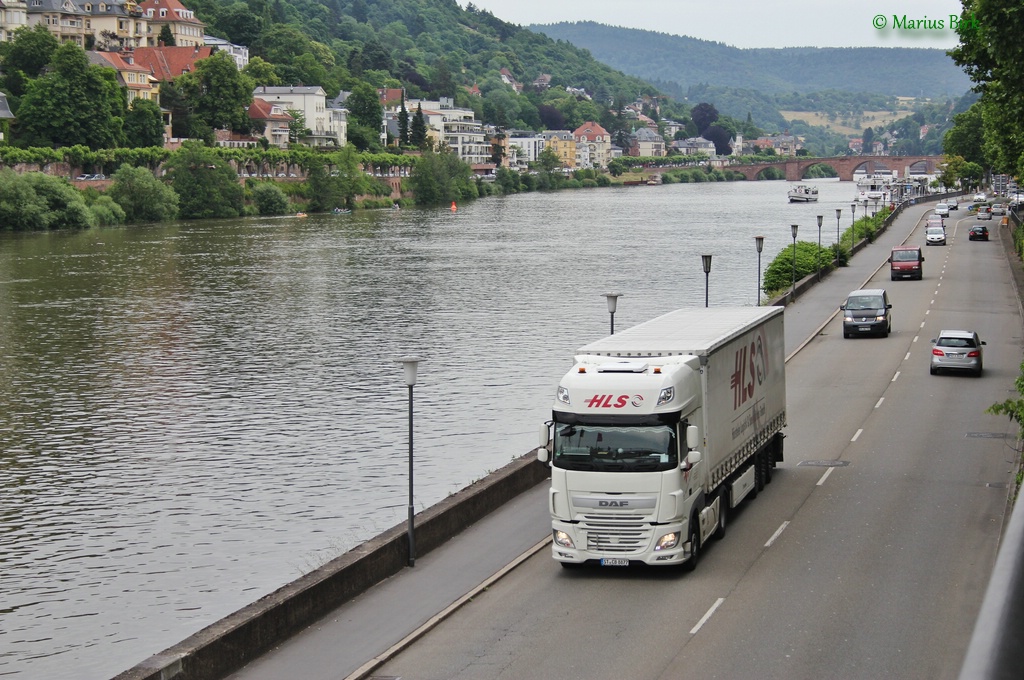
x=683 y=61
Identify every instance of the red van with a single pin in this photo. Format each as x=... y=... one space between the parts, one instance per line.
x=906 y=262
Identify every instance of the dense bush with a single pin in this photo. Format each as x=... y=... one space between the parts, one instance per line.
x=270 y=199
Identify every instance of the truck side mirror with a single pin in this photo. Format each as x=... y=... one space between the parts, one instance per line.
x=692 y=458
x=691 y=437
x=542 y=450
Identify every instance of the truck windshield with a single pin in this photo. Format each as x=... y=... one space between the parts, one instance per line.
x=615 y=449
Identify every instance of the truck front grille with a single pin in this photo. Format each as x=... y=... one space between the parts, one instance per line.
x=616 y=538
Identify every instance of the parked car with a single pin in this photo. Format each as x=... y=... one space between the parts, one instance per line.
x=935 y=236
x=998 y=209
x=82 y=178
x=980 y=197
x=978 y=232
x=866 y=312
x=984 y=213
x=957 y=351
x=942 y=209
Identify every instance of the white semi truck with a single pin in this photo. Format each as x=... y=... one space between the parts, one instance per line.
x=657 y=432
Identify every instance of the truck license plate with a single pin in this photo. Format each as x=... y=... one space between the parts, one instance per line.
x=614 y=562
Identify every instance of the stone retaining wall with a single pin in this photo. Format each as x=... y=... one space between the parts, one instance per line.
x=229 y=644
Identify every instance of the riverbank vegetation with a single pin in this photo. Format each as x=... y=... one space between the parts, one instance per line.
x=793 y=265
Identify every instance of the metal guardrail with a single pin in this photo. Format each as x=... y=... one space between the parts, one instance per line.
x=996 y=649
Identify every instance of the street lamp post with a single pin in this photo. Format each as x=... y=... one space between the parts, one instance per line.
x=817 y=254
x=706 y=260
x=612 y=299
x=410 y=363
x=853 y=226
x=759 y=243
x=839 y=211
x=792 y=295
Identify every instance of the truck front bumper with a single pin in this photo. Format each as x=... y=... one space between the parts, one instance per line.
x=567 y=537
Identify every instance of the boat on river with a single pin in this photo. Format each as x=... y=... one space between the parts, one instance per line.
x=803 y=193
x=877 y=188
x=342 y=211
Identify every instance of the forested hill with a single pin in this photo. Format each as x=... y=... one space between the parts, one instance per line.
x=666 y=59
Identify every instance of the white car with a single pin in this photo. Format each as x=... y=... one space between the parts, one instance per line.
x=980 y=197
x=942 y=210
x=935 y=236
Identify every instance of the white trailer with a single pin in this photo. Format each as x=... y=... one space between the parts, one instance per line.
x=659 y=430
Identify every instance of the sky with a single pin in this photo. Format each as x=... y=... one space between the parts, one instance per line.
x=755 y=23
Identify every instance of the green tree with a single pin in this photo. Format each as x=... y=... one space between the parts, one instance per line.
x=205 y=183
x=297 y=130
x=144 y=124
x=325 y=190
x=442 y=85
x=218 y=92
x=166 y=37
x=74 y=103
x=364 y=106
x=990 y=54
x=27 y=55
x=403 y=125
x=418 y=133
x=440 y=178
x=242 y=25
x=262 y=72
x=105 y=212
x=142 y=196
x=703 y=115
x=269 y=199
x=951 y=170
x=37 y=201
x=548 y=160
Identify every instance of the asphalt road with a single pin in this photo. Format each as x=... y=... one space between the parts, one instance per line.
x=866 y=557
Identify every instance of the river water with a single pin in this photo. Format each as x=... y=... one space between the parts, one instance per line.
x=194 y=414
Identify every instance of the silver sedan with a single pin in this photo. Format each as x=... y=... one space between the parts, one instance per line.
x=957 y=351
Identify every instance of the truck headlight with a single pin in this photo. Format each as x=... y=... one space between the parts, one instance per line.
x=562 y=539
x=667 y=542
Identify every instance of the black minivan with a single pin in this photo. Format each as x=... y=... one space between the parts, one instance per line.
x=866 y=312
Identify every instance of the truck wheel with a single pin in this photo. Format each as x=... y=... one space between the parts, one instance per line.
x=769 y=463
x=691 y=564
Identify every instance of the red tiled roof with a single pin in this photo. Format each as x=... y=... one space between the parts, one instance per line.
x=167 y=63
x=118 y=63
x=261 y=109
x=174 y=10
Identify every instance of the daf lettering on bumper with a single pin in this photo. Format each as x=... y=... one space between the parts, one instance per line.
x=631 y=503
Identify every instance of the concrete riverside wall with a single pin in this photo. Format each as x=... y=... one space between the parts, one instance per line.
x=229 y=644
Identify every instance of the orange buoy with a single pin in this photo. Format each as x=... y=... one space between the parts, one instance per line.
x=453 y=206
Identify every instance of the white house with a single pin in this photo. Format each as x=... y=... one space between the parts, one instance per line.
x=325 y=125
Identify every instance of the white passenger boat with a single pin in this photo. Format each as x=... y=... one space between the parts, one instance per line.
x=803 y=193
x=874 y=188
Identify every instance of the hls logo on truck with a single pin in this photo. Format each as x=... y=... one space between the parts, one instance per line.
x=614 y=401
x=751 y=370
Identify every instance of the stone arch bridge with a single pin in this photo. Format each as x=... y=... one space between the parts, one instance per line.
x=846 y=166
